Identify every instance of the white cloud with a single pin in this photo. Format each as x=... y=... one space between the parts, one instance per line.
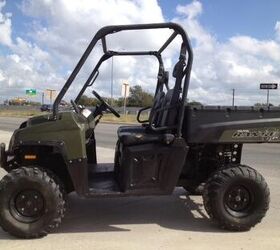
x=5 y=26
x=27 y=66
x=242 y=62
x=70 y=25
x=61 y=30
x=191 y=10
x=188 y=17
x=265 y=48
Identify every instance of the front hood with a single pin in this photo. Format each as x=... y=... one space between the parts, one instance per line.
x=44 y=128
x=26 y=124
x=69 y=128
x=38 y=120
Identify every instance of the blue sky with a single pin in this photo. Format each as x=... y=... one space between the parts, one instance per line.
x=226 y=18
x=236 y=44
x=21 y=23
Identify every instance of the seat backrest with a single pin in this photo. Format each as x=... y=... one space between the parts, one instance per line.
x=169 y=112
x=155 y=113
x=155 y=116
x=171 y=101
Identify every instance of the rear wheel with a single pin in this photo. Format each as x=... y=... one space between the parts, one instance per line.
x=31 y=203
x=236 y=197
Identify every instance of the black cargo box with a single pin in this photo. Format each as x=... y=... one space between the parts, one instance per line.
x=216 y=124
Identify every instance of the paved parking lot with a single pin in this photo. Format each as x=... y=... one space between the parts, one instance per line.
x=165 y=222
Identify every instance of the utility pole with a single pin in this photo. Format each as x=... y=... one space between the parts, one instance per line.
x=51 y=92
x=233 y=93
x=43 y=98
x=267 y=98
x=112 y=79
x=125 y=93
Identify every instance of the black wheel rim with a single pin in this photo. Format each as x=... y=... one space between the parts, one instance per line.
x=238 y=200
x=27 y=205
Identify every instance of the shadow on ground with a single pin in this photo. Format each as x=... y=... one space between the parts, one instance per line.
x=179 y=212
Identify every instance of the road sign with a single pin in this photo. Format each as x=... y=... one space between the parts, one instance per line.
x=268 y=85
x=31 y=92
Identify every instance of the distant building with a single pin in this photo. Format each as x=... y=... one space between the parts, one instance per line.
x=18 y=101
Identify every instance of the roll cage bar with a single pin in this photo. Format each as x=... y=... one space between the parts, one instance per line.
x=101 y=35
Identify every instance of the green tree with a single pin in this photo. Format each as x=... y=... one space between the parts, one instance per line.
x=139 y=98
x=87 y=101
x=195 y=103
x=31 y=103
x=119 y=102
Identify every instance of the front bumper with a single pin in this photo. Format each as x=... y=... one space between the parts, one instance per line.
x=3 y=156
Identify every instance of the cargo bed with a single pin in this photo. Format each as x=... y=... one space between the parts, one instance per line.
x=223 y=124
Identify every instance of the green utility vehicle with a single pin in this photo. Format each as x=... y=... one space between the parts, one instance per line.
x=52 y=155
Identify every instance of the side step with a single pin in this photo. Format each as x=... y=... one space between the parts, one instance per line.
x=102 y=181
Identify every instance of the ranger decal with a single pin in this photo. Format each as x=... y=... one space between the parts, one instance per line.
x=271 y=134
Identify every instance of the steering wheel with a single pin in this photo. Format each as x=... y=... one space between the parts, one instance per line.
x=75 y=106
x=106 y=104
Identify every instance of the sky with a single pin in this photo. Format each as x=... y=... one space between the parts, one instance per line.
x=236 y=45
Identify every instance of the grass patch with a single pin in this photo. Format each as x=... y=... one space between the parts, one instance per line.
x=19 y=113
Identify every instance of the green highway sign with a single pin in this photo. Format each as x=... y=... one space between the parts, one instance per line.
x=30 y=92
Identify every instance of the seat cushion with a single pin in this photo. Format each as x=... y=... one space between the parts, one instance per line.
x=135 y=128
x=131 y=135
x=135 y=135
x=136 y=138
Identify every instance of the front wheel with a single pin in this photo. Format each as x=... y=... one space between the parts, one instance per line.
x=236 y=197
x=31 y=203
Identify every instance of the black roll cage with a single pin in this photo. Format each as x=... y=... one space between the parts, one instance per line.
x=101 y=35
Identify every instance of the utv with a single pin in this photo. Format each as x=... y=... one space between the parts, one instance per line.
x=52 y=155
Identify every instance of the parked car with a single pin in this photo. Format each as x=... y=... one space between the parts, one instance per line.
x=46 y=107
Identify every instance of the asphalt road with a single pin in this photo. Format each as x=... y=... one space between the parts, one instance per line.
x=10 y=123
x=163 y=222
